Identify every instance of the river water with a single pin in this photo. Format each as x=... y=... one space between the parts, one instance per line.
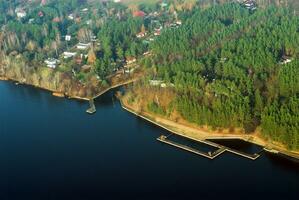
x=51 y=149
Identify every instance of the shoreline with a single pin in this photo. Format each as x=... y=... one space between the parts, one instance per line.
x=53 y=92
x=194 y=133
x=60 y=94
x=197 y=134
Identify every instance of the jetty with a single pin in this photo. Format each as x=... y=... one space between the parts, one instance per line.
x=220 y=149
x=92 y=108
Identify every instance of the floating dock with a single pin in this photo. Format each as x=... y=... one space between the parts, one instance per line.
x=211 y=155
x=92 y=108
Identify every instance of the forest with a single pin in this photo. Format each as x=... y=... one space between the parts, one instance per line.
x=232 y=67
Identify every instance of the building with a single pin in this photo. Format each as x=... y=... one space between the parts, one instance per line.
x=52 y=62
x=83 y=46
x=71 y=16
x=156 y=82
x=285 y=60
x=20 y=12
x=141 y=34
x=130 y=60
x=67 y=55
x=250 y=4
x=178 y=22
x=138 y=14
x=157 y=33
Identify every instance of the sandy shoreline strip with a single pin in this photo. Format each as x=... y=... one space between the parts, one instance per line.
x=198 y=134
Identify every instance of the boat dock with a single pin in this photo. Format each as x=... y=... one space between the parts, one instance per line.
x=211 y=155
x=92 y=108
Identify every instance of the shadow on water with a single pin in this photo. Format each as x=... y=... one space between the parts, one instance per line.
x=239 y=145
x=282 y=161
x=107 y=99
x=191 y=143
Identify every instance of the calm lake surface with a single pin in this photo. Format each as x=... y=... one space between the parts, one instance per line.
x=51 y=149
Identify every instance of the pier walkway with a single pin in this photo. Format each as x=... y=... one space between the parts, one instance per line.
x=92 y=108
x=211 y=155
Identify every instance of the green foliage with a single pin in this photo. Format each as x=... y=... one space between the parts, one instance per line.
x=225 y=65
x=155 y=108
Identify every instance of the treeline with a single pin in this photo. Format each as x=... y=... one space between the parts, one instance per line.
x=235 y=69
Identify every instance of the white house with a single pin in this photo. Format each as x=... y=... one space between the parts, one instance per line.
x=156 y=82
x=83 y=46
x=67 y=54
x=286 y=61
x=20 y=12
x=178 y=22
x=52 y=62
x=71 y=16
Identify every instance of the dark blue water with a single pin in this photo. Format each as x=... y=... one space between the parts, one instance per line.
x=51 y=149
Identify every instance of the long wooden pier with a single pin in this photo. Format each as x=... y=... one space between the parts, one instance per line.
x=92 y=108
x=211 y=155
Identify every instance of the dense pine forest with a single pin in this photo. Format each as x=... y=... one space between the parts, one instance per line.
x=231 y=67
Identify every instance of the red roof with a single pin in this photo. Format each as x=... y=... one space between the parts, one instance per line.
x=40 y=13
x=138 y=14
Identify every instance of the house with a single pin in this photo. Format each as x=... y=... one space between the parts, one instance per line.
x=71 y=16
x=30 y=21
x=141 y=34
x=250 y=4
x=83 y=46
x=164 y=4
x=67 y=54
x=68 y=38
x=93 y=38
x=20 y=12
x=155 y=82
x=138 y=14
x=178 y=22
x=130 y=60
x=129 y=70
x=286 y=60
x=84 y=10
x=157 y=32
x=43 y=2
x=52 y=62
x=40 y=14
x=56 y=19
